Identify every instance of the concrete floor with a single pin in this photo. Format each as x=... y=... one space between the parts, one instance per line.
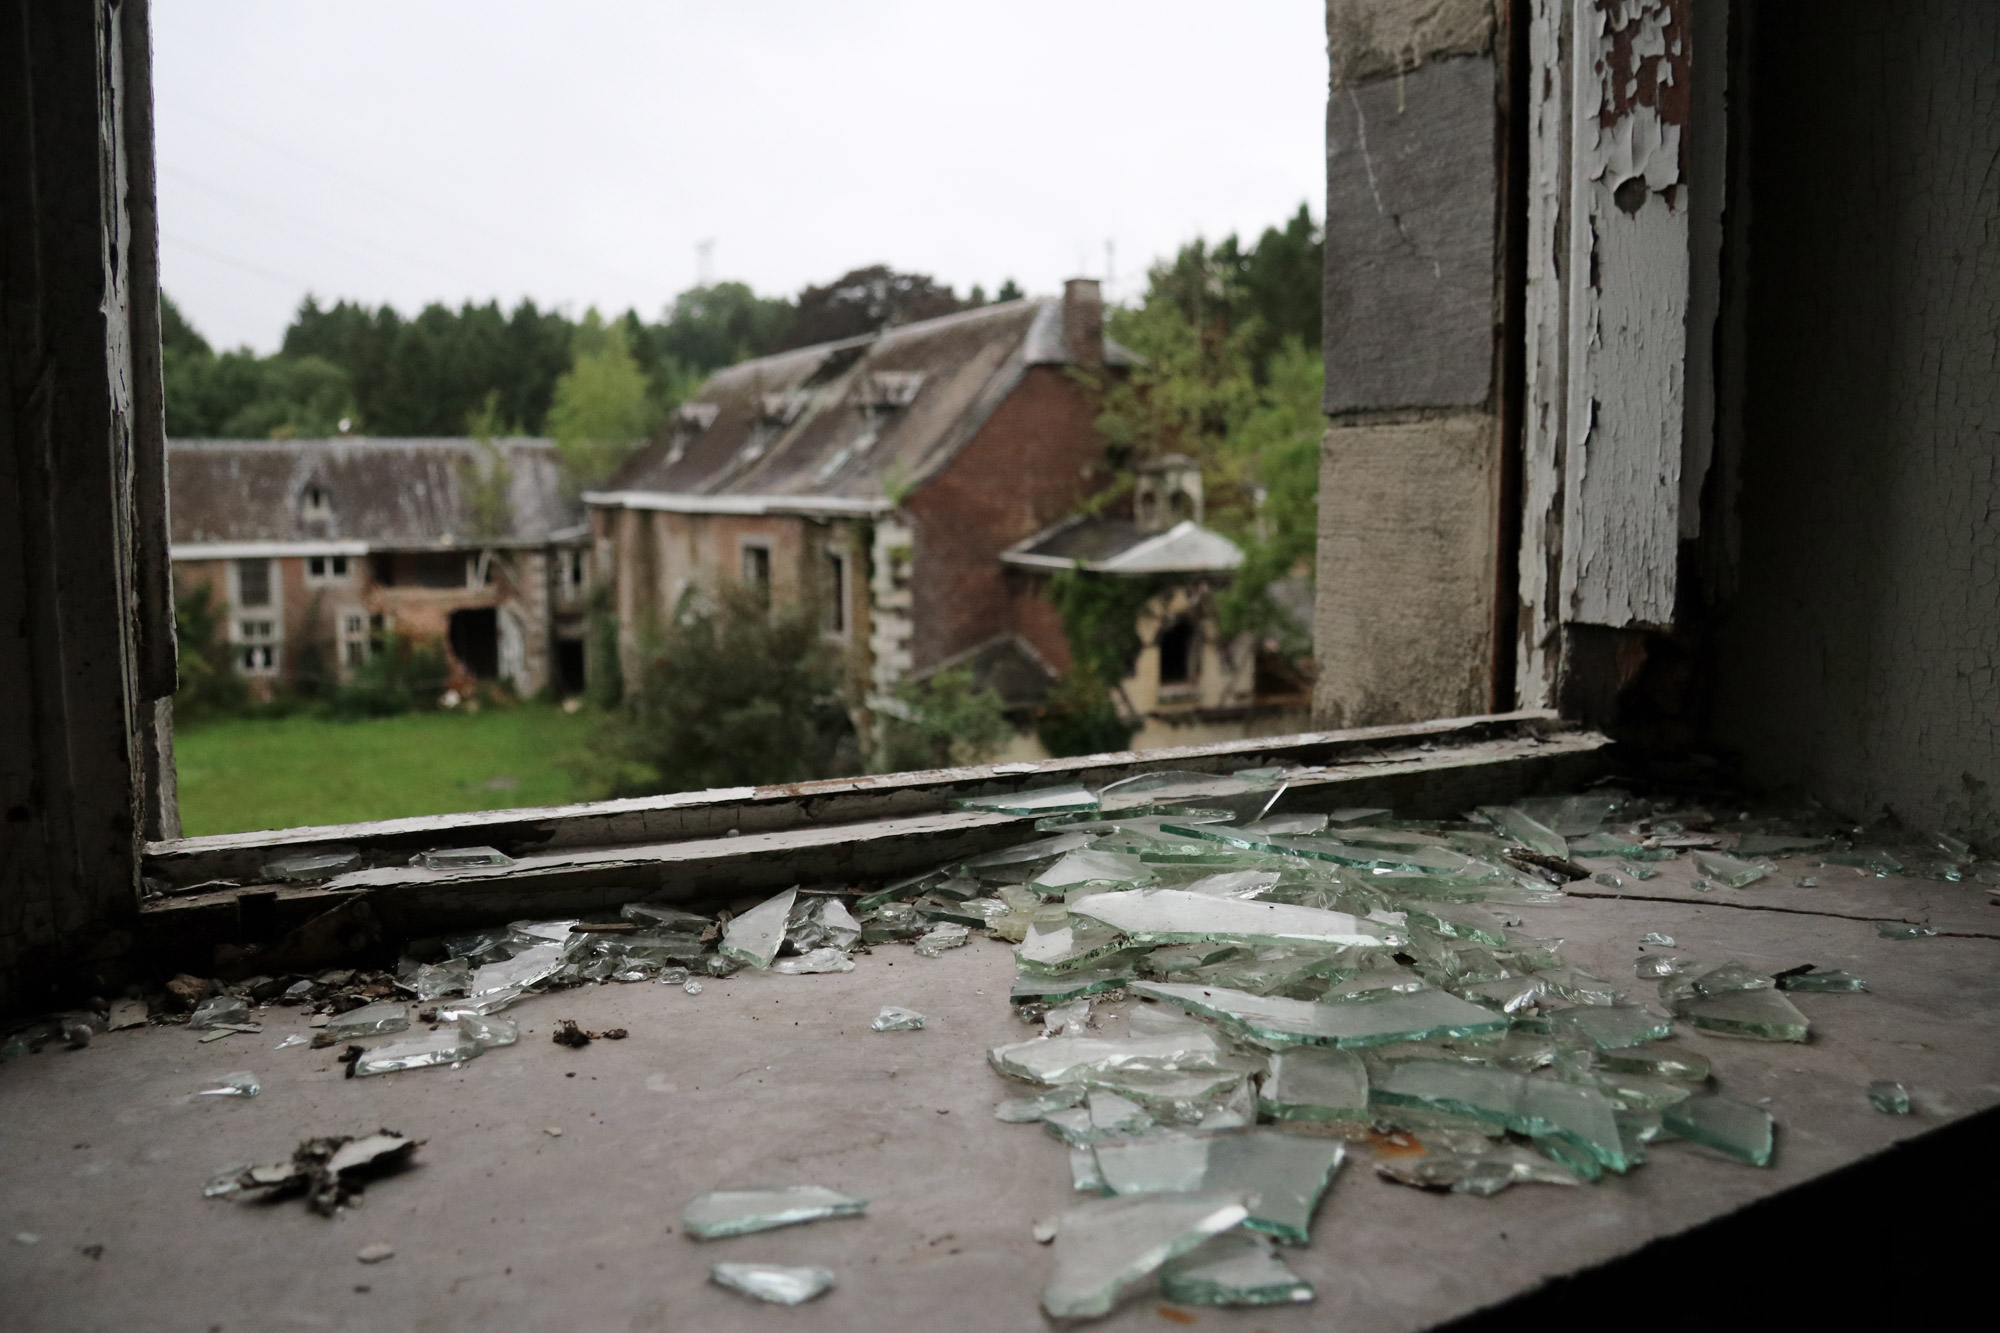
x=778 y=1080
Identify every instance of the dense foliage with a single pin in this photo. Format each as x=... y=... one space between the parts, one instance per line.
x=943 y=721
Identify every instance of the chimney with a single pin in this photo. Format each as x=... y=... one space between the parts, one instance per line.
x=1083 y=321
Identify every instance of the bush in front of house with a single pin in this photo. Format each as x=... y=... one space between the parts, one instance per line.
x=945 y=721
x=401 y=675
x=208 y=685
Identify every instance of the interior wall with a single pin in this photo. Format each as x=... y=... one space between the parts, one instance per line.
x=1858 y=657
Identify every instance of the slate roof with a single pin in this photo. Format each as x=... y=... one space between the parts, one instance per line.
x=1007 y=664
x=1117 y=546
x=837 y=423
x=387 y=493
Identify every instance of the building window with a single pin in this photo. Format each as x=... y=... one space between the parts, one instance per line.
x=757 y=566
x=576 y=569
x=257 y=647
x=326 y=568
x=836 y=594
x=253 y=582
x=1177 y=653
x=354 y=637
x=314 y=503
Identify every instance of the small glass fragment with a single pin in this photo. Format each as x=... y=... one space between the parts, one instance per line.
x=1466 y=1162
x=463 y=858
x=1888 y=1097
x=1654 y=937
x=1235 y=1268
x=1105 y=1247
x=1656 y=1061
x=1831 y=980
x=691 y=986
x=1042 y=801
x=1656 y=966
x=370 y=1020
x=1607 y=879
x=1068 y=1020
x=446 y=1046
x=1315 y=1083
x=433 y=981
x=1061 y=988
x=1529 y=832
x=296 y=1039
x=1175 y=916
x=1764 y=1015
x=816 y=960
x=1730 y=870
x=489 y=1032
x=1633 y=871
x=1807 y=881
x=318 y=864
x=1059 y=1060
x=219 y=1011
x=944 y=935
x=777 y=1283
x=754 y=937
x=534 y=964
x=242 y=1083
x=740 y=1212
x=1735 y=1128
x=1084 y=1176
x=895 y=1018
x=1609 y=1027
x=1904 y=930
x=1276 y=1021
x=1279 y=1176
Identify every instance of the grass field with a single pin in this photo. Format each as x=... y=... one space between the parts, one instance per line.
x=243 y=774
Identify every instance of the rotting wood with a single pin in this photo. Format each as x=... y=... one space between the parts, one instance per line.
x=183 y=863
x=714 y=871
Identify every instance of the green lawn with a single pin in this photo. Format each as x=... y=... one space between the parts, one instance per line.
x=243 y=774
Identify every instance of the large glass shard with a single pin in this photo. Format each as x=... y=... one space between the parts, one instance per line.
x=814 y=960
x=1470 y=1163
x=892 y=921
x=1604 y=844
x=1175 y=785
x=1279 y=1176
x=1042 y=801
x=1670 y=1062
x=1832 y=980
x=321 y=863
x=944 y=935
x=1321 y=1084
x=1563 y=1115
x=821 y=922
x=1274 y=1021
x=659 y=916
x=447 y=1046
x=1173 y=960
x=1904 y=930
x=1236 y=1268
x=489 y=1032
x=1736 y=1128
x=776 y=1283
x=1055 y=947
x=1083 y=1174
x=740 y=1212
x=1234 y=883
x=370 y=1020
x=1030 y=1110
x=1422 y=860
x=219 y=1011
x=1730 y=870
x=532 y=965
x=895 y=1018
x=754 y=937
x=1068 y=986
x=1277 y=970
x=1057 y=1060
x=1718 y=980
x=1105 y=1247
x=1762 y=1014
x=1175 y=916
x=433 y=981
x=1609 y=1026
x=1459 y=923
x=1526 y=830
x=1091 y=866
x=1888 y=1097
x=243 y=1083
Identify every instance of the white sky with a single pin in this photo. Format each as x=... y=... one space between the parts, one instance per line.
x=576 y=151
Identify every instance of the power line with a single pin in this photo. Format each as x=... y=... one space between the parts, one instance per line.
x=289 y=279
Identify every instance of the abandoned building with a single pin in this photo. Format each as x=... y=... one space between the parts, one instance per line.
x=896 y=483
x=314 y=552
x=1659 y=468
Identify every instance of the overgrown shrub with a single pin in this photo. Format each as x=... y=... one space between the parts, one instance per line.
x=208 y=685
x=1081 y=717
x=401 y=675
x=942 y=722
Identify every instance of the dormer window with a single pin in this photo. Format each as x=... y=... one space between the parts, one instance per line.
x=315 y=503
x=888 y=389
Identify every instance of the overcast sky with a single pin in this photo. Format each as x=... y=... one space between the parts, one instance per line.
x=579 y=151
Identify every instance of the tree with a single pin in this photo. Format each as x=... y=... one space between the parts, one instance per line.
x=240 y=395
x=943 y=721
x=735 y=694
x=867 y=300
x=1009 y=291
x=602 y=408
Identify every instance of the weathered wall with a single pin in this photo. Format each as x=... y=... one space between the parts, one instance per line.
x=1412 y=465
x=1859 y=657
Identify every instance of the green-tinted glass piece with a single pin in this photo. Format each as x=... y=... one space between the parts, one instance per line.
x=944 y=935
x=1272 y=970
x=1083 y=1174
x=1631 y=871
x=1105 y=1247
x=1736 y=1128
x=1604 y=844
x=1041 y=801
x=777 y=1283
x=1315 y=1083
x=1170 y=786
x=1889 y=1098
x=1579 y=1117
x=1470 y=1163
x=1053 y=948
x=1126 y=817
x=754 y=937
x=1234 y=883
x=1280 y=1022
x=1459 y=923
x=1279 y=1176
x=740 y=1212
x=1904 y=930
x=1721 y=979
x=1091 y=866
x=1236 y=1268
x=1763 y=1014
x=1657 y=1061
x=1831 y=980
x=1730 y=870
x=1175 y=916
x=1171 y=960
x=1526 y=830
x=1641 y=1092
x=1660 y=965
x=1654 y=937
x=1871 y=859
x=1029 y=1110
x=1609 y=1026
x=1056 y=1060
x=1068 y=986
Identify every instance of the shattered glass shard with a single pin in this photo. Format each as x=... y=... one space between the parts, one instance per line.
x=532 y=965
x=1526 y=830
x=1275 y=1021
x=1667 y=1062
x=1092 y=867
x=1460 y=923
x=776 y=1283
x=1904 y=930
x=490 y=1003
x=1042 y=801
x=895 y=1018
x=892 y=921
x=817 y=960
x=433 y=981
x=1057 y=1060
x=318 y=864
x=1831 y=980
x=1235 y=1268
x=444 y=1047
x=1029 y=1110
x=1718 y=980
x=1888 y=1097
x=1067 y=1019
x=1051 y=948
x=1656 y=966
x=1175 y=916
x=1762 y=1014
x=1068 y=986
x=1083 y=1173
x=463 y=858
x=1279 y=1176
x=1470 y=1163
x=819 y=922
x=1656 y=938
x=219 y=1011
x=754 y=937
x=740 y=1212
x=658 y=916
x=1607 y=879
x=1632 y=871
x=1104 y=1247
x=1608 y=1027
x=1315 y=1083
x=370 y=1020
x=1561 y=1115
x=1603 y=844
x=1234 y=883
x=944 y=935
x=1731 y=1127
x=1728 y=869
x=242 y=1083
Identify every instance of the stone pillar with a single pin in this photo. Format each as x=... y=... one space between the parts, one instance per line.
x=1412 y=466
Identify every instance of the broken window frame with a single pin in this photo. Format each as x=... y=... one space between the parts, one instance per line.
x=837 y=593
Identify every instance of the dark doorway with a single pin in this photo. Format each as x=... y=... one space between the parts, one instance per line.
x=475 y=640
x=569 y=666
x=1177 y=653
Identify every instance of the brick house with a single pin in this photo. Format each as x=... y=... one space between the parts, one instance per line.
x=315 y=550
